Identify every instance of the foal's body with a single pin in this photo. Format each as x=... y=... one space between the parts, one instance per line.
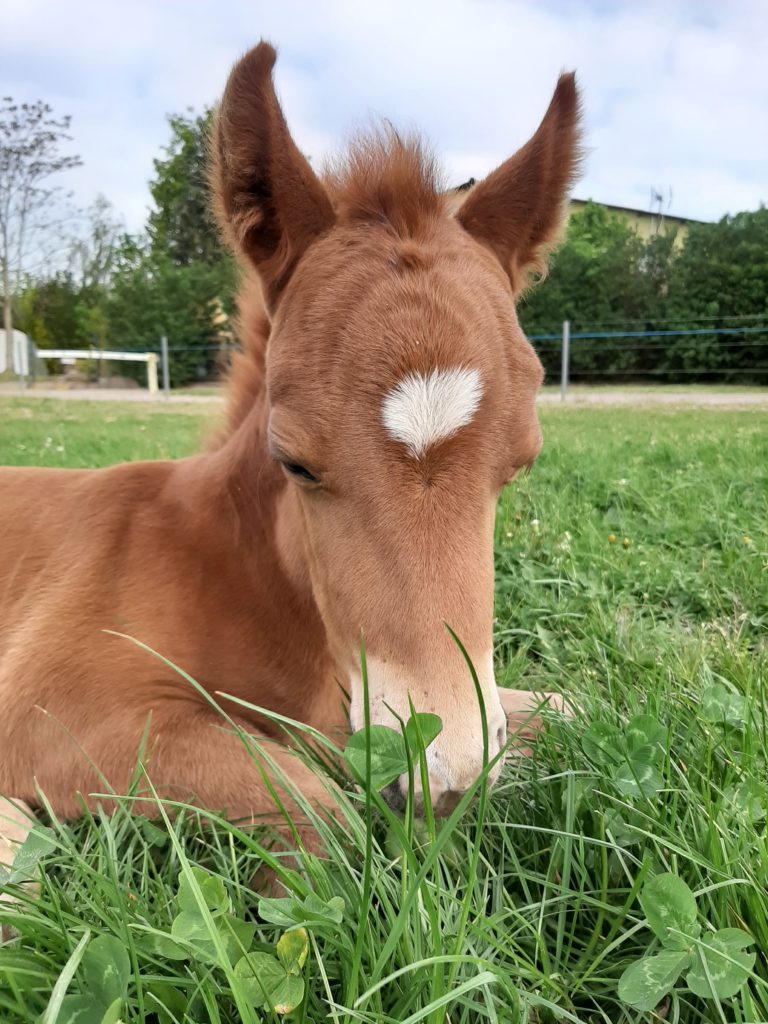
x=385 y=397
x=164 y=552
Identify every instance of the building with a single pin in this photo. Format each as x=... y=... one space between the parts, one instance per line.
x=646 y=223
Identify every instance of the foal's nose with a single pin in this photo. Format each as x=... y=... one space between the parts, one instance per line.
x=445 y=793
x=443 y=800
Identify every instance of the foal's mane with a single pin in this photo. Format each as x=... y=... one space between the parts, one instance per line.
x=384 y=180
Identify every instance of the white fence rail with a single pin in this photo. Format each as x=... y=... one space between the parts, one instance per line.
x=71 y=354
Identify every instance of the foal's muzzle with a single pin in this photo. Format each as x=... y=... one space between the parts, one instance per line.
x=444 y=798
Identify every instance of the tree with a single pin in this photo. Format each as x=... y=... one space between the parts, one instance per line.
x=47 y=311
x=93 y=259
x=151 y=295
x=92 y=256
x=604 y=273
x=125 y=292
x=30 y=154
x=181 y=227
x=721 y=276
x=69 y=308
x=181 y=282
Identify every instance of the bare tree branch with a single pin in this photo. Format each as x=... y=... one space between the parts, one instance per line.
x=30 y=155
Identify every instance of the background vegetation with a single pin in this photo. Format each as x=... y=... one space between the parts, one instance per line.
x=114 y=290
x=605 y=278
x=174 y=278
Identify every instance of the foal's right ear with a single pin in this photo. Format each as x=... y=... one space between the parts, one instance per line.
x=268 y=199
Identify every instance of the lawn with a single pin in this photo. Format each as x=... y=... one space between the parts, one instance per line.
x=632 y=575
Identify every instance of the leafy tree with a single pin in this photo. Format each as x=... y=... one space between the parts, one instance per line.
x=180 y=280
x=47 y=311
x=93 y=259
x=603 y=273
x=607 y=278
x=722 y=269
x=69 y=309
x=151 y=296
x=721 y=274
x=92 y=256
x=30 y=154
x=181 y=226
x=594 y=268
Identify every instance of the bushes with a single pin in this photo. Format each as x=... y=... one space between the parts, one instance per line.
x=606 y=278
x=152 y=296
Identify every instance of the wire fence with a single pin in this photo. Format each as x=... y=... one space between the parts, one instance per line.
x=707 y=349
x=717 y=353
x=736 y=352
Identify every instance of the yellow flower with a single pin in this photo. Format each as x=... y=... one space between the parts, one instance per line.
x=611 y=538
x=746 y=540
x=625 y=543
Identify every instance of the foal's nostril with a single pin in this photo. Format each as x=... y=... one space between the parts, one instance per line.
x=447 y=802
x=394 y=796
x=501 y=736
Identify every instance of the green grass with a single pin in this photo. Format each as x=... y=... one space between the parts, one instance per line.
x=531 y=908
x=66 y=433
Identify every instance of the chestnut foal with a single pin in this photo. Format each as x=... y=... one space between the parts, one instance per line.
x=384 y=398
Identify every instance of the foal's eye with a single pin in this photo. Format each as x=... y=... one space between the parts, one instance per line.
x=300 y=472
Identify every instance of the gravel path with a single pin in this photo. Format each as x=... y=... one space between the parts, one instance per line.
x=107 y=395
x=639 y=398
x=577 y=397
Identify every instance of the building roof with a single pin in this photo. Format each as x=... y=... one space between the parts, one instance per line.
x=631 y=210
x=640 y=213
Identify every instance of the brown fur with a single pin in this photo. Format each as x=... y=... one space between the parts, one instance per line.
x=246 y=383
x=255 y=584
x=386 y=180
x=512 y=210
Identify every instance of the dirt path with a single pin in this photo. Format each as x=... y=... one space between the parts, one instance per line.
x=577 y=397
x=108 y=395
x=641 y=398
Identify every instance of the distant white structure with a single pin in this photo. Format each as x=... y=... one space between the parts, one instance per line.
x=20 y=353
x=68 y=356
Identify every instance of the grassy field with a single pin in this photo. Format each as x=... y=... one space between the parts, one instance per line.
x=632 y=575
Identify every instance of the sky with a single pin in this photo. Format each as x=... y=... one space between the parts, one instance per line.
x=675 y=92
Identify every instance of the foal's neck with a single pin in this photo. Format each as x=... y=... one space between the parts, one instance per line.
x=244 y=501
x=262 y=507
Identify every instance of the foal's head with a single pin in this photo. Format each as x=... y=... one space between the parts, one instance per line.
x=401 y=389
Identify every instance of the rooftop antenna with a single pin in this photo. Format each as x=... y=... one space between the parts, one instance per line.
x=660 y=205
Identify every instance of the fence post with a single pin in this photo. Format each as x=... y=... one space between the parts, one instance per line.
x=166 y=368
x=20 y=357
x=565 y=366
x=152 y=372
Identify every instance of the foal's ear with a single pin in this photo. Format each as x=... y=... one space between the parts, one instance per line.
x=517 y=211
x=268 y=199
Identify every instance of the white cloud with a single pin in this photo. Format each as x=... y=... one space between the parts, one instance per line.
x=675 y=94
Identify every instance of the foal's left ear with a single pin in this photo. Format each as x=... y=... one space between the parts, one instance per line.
x=269 y=201
x=517 y=211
